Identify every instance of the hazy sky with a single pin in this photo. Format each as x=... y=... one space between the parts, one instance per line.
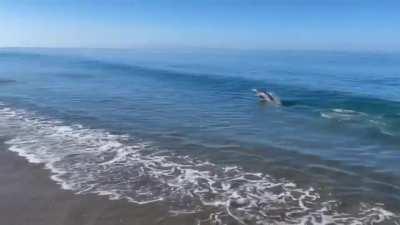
x=276 y=24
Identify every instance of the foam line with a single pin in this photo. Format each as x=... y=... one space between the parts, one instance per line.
x=122 y=167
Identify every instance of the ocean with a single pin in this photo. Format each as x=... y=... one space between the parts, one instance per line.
x=184 y=128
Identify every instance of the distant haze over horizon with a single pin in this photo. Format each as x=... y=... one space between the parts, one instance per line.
x=270 y=25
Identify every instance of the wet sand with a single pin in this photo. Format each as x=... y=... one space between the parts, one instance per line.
x=29 y=197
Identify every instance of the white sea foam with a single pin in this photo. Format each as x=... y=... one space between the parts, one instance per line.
x=346 y=115
x=343 y=114
x=121 y=167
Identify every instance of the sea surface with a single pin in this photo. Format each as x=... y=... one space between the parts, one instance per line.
x=184 y=128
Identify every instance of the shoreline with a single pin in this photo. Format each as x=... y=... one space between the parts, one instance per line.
x=29 y=197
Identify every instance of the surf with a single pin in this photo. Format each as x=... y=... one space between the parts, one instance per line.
x=95 y=161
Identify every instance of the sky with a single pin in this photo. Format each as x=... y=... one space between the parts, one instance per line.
x=237 y=24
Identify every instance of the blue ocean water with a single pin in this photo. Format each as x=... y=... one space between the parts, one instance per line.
x=184 y=127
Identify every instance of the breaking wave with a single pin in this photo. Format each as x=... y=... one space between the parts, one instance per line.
x=122 y=167
x=343 y=114
x=351 y=116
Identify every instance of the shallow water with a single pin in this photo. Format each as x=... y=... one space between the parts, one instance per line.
x=185 y=128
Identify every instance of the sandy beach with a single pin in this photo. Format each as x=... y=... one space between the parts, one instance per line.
x=29 y=197
x=126 y=137
x=133 y=112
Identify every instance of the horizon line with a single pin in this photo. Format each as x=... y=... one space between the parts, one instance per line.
x=185 y=48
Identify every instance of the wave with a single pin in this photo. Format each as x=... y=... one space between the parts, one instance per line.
x=88 y=160
x=377 y=122
x=7 y=81
x=343 y=114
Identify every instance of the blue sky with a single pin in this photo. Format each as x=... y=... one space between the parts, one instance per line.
x=251 y=24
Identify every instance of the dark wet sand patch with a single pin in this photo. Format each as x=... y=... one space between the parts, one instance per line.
x=29 y=197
